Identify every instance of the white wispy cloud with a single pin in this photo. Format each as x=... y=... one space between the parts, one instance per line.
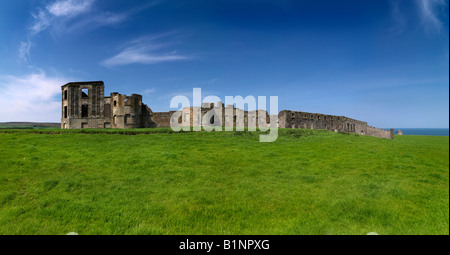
x=62 y=17
x=425 y=13
x=145 y=50
x=58 y=12
x=149 y=91
x=32 y=97
x=429 y=12
x=24 y=50
x=399 y=18
x=41 y=21
x=210 y=81
x=69 y=7
x=65 y=16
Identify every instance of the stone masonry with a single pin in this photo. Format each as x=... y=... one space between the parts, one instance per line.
x=85 y=106
x=296 y=119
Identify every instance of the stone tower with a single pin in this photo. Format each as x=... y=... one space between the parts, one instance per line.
x=82 y=104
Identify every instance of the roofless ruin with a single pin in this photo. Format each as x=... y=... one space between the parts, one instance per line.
x=84 y=105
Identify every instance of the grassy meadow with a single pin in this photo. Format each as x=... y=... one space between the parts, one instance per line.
x=152 y=181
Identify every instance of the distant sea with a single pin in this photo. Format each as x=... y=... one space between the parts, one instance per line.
x=423 y=131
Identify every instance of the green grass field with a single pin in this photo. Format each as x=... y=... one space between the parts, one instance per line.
x=307 y=182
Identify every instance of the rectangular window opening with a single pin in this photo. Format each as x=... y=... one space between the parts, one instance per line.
x=84 y=111
x=85 y=93
x=127 y=118
x=107 y=110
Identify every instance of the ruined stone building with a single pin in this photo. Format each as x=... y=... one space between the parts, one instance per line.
x=85 y=106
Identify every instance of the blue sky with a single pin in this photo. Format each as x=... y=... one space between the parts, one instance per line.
x=385 y=62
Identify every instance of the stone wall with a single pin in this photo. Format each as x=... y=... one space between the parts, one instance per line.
x=297 y=119
x=378 y=132
x=213 y=115
x=217 y=115
x=162 y=119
